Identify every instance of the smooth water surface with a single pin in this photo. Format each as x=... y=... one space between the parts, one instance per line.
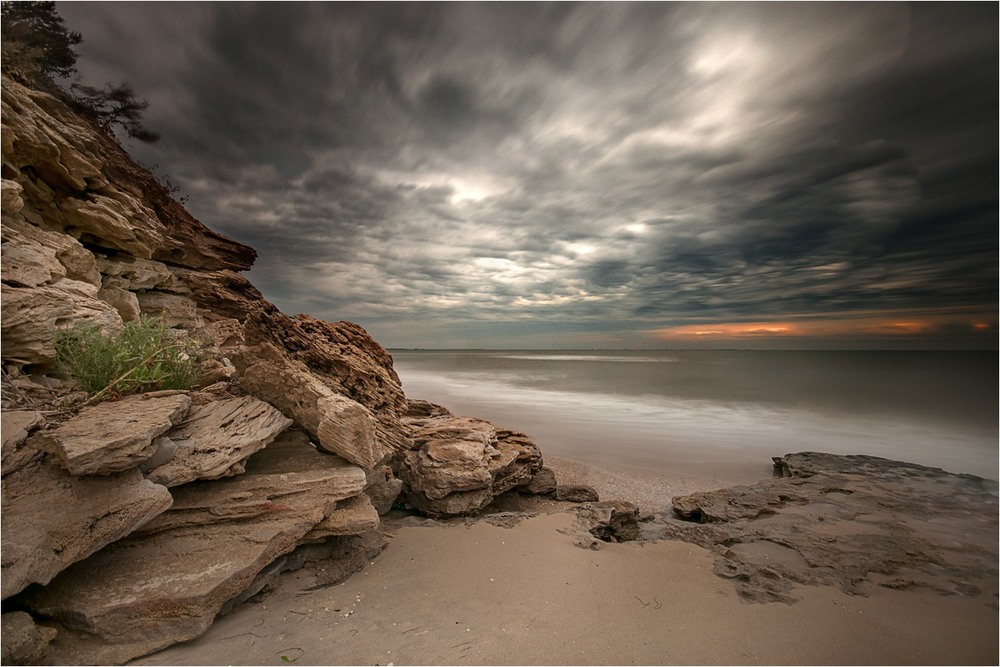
x=724 y=414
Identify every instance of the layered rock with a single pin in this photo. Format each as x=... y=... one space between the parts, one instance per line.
x=112 y=437
x=216 y=439
x=846 y=521
x=458 y=465
x=52 y=519
x=166 y=582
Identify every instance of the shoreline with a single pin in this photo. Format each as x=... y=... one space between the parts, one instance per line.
x=524 y=591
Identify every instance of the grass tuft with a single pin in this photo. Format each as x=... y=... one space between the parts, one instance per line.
x=144 y=356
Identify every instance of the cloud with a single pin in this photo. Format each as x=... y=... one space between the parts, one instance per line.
x=452 y=167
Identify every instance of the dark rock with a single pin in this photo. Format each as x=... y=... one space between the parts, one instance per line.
x=846 y=521
x=577 y=493
x=542 y=483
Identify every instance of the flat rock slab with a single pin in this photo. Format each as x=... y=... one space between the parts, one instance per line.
x=166 y=583
x=846 y=521
x=216 y=439
x=52 y=519
x=112 y=436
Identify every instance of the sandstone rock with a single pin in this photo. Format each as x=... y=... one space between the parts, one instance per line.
x=32 y=256
x=458 y=465
x=216 y=438
x=165 y=583
x=10 y=197
x=352 y=516
x=382 y=488
x=122 y=301
x=577 y=493
x=136 y=274
x=343 y=357
x=24 y=643
x=846 y=521
x=16 y=425
x=611 y=521
x=112 y=436
x=86 y=185
x=172 y=310
x=31 y=318
x=52 y=519
x=339 y=424
x=542 y=483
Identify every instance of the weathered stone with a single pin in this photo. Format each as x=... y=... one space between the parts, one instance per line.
x=542 y=482
x=112 y=436
x=165 y=583
x=31 y=318
x=343 y=357
x=32 y=256
x=136 y=274
x=52 y=519
x=459 y=464
x=172 y=310
x=216 y=438
x=340 y=425
x=24 y=642
x=611 y=521
x=16 y=425
x=845 y=521
x=86 y=185
x=382 y=488
x=577 y=493
x=352 y=516
x=126 y=303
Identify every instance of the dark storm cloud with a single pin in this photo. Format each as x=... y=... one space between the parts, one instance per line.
x=447 y=173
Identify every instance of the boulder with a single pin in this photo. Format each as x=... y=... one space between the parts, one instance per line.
x=577 y=493
x=458 y=465
x=24 y=643
x=125 y=302
x=352 y=516
x=166 y=583
x=343 y=357
x=216 y=438
x=542 y=483
x=112 y=436
x=52 y=519
x=339 y=424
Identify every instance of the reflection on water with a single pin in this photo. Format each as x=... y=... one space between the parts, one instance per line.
x=690 y=416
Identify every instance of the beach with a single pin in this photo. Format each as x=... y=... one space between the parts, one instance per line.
x=524 y=591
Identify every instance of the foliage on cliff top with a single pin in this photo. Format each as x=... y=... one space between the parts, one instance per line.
x=38 y=49
x=144 y=356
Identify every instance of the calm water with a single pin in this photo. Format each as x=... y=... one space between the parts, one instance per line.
x=724 y=414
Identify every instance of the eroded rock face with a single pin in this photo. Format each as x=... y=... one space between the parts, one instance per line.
x=52 y=519
x=458 y=465
x=16 y=426
x=77 y=181
x=846 y=521
x=24 y=642
x=113 y=436
x=166 y=583
x=216 y=439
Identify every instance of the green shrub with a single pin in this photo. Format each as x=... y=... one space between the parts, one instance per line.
x=145 y=356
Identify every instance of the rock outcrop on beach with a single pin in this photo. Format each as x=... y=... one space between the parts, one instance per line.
x=128 y=525
x=845 y=521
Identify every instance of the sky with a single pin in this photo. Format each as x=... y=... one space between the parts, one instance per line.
x=597 y=175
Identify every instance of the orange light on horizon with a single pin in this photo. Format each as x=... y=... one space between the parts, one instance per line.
x=872 y=325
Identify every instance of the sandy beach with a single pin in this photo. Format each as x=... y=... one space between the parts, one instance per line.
x=487 y=592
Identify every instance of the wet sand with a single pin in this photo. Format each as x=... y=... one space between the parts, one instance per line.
x=468 y=592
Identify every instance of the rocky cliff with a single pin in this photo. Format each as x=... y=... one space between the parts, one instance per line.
x=129 y=525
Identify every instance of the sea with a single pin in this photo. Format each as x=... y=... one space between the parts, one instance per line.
x=723 y=414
